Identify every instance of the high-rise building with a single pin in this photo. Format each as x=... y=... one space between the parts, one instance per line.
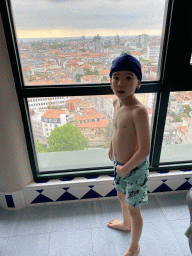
x=97 y=44
x=143 y=41
x=153 y=52
x=117 y=40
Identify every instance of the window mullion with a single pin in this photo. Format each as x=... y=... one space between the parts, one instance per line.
x=159 y=121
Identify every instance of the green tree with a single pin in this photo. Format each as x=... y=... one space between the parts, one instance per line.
x=128 y=52
x=78 y=77
x=89 y=72
x=67 y=138
x=104 y=78
x=39 y=147
x=108 y=134
x=82 y=50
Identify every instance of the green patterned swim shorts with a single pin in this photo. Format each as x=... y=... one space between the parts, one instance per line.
x=134 y=185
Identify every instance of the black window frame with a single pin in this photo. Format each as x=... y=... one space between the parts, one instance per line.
x=174 y=70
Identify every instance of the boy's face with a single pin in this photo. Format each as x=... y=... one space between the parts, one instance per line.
x=124 y=83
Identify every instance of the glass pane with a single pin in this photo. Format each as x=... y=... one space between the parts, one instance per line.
x=74 y=42
x=177 y=139
x=75 y=132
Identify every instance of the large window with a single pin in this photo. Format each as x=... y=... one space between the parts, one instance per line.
x=177 y=138
x=75 y=131
x=61 y=54
x=74 y=42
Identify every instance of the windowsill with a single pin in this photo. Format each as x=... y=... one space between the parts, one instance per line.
x=84 y=188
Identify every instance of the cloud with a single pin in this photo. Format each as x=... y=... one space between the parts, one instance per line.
x=88 y=14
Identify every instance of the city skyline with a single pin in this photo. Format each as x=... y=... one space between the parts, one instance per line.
x=72 y=18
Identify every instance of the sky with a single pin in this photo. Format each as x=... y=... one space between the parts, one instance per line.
x=72 y=18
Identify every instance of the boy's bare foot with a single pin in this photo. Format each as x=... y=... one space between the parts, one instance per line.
x=132 y=252
x=117 y=224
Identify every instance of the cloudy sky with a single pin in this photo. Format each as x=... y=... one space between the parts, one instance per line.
x=68 y=18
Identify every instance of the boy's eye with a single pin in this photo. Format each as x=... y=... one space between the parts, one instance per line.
x=116 y=78
x=128 y=77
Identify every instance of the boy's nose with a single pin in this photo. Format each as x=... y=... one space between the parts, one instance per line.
x=121 y=83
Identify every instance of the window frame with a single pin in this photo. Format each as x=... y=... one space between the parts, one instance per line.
x=167 y=83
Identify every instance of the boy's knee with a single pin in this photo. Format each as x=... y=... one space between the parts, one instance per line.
x=135 y=212
x=121 y=196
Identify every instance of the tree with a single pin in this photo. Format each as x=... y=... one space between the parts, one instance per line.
x=104 y=78
x=78 y=77
x=39 y=147
x=128 y=52
x=89 y=72
x=67 y=138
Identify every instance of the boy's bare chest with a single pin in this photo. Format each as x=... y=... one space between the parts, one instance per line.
x=123 y=120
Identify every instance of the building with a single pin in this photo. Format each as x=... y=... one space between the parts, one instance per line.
x=90 y=79
x=94 y=131
x=37 y=128
x=97 y=44
x=117 y=40
x=153 y=52
x=89 y=118
x=38 y=104
x=143 y=41
x=71 y=104
x=51 y=119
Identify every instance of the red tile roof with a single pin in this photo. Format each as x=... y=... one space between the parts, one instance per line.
x=89 y=117
x=53 y=113
x=105 y=72
x=101 y=124
x=44 y=82
x=73 y=101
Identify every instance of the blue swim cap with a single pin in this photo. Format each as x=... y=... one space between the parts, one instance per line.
x=126 y=62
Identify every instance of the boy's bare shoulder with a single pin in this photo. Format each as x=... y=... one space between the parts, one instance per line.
x=139 y=105
x=139 y=108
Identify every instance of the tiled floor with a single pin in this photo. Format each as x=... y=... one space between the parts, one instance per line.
x=72 y=229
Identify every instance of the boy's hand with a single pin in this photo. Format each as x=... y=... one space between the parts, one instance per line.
x=120 y=172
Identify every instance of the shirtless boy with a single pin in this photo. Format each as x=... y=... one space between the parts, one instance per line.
x=129 y=147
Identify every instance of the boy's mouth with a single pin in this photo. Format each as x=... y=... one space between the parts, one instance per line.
x=121 y=92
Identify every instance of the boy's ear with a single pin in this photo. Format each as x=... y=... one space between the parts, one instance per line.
x=110 y=83
x=139 y=84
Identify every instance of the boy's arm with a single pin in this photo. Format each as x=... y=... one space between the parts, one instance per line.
x=141 y=123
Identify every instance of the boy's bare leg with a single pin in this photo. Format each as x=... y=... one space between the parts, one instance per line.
x=136 y=228
x=126 y=223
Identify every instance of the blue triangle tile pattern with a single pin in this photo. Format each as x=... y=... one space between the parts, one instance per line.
x=186 y=170
x=112 y=193
x=90 y=193
x=162 y=172
x=91 y=177
x=162 y=188
x=41 y=181
x=185 y=186
x=66 y=179
x=41 y=199
x=9 y=201
x=66 y=189
x=66 y=196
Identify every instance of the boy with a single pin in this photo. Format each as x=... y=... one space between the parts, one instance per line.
x=129 y=147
